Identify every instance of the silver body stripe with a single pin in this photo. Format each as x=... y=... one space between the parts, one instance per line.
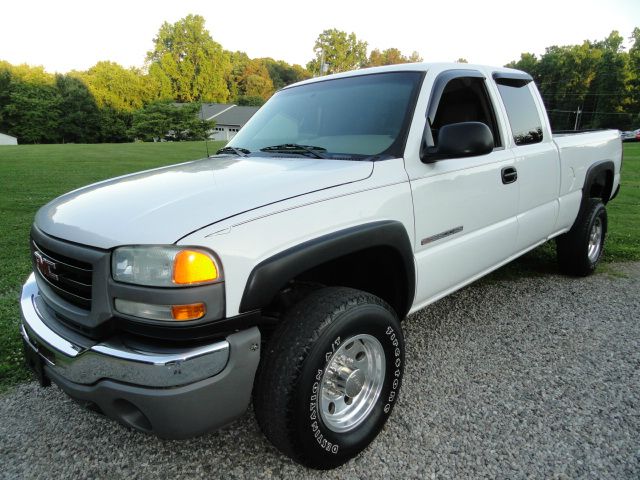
x=442 y=235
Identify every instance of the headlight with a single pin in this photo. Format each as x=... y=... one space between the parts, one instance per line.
x=160 y=266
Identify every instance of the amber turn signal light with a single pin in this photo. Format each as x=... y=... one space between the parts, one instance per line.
x=191 y=266
x=188 y=312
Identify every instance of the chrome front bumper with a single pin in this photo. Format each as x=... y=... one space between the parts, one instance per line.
x=118 y=360
x=170 y=392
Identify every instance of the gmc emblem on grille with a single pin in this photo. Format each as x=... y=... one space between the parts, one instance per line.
x=45 y=266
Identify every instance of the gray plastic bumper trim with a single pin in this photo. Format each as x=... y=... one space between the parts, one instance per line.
x=179 y=412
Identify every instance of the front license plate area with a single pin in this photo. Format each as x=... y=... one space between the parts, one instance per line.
x=35 y=363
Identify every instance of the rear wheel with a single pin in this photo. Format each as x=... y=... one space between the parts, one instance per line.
x=580 y=249
x=330 y=376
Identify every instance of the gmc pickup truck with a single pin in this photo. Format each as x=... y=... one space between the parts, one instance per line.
x=278 y=270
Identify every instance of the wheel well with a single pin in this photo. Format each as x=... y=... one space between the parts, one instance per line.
x=375 y=257
x=601 y=186
x=378 y=270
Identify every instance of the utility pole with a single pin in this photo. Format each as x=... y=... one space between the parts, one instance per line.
x=578 y=113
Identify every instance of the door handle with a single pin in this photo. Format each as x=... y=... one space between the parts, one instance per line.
x=509 y=175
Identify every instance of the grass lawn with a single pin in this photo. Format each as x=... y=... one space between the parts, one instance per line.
x=30 y=176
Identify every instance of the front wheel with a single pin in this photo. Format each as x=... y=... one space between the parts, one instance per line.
x=330 y=376
x=580 y=249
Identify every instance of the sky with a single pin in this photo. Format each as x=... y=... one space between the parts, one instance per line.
x=64 y=35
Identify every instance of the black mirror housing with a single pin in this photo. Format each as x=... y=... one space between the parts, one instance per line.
x=456 y=140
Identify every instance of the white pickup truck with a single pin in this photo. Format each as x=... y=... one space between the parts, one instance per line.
x=280 y=269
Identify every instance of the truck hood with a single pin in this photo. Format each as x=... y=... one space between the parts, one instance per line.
x=163 y=205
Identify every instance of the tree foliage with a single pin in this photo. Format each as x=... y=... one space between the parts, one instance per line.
x=110 y=103
x=597 y=78
x=33 y=112
x=80 y=119
x=5 y=85
x=634 y=80
x=283 y=74
x=250 y=101
x=255 y=81
x=115 y=125
x=30 y=104
x=188 y=64
x=166 y=120
x=391 y=56
x=123 y=89
x=339 y=51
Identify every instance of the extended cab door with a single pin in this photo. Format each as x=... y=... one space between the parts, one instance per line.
x=465 y=208
x=537 y=160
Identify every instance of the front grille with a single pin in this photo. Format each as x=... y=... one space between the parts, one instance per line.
x=69 y=278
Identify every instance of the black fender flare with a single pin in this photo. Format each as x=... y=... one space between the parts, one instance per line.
x=593 y=172
x=272 y=274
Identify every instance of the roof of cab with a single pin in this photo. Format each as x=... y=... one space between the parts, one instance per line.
x=409 y=67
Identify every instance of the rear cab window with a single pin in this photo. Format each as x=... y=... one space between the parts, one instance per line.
x=523 y=115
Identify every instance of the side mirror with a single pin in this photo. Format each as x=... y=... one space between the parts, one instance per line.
x=456 y=140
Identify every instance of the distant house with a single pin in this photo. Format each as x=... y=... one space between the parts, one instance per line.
x=229 y=118
x=8 y=139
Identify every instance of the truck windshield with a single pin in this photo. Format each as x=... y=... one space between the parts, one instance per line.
x=353 y=117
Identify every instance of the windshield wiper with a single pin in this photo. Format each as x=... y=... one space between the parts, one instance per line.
x=241 y=152
x=295 y=148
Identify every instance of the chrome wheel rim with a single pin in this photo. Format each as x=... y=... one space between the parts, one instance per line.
x=595 y=240
x=352 y=382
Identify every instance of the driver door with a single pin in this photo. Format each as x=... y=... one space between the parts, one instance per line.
x=465 y=210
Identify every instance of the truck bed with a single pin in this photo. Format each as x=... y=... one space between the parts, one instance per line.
x=580 y=150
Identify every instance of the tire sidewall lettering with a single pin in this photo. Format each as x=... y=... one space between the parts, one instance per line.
x=395 y=384
x=392 y=383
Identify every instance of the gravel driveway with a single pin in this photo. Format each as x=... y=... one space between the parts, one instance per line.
x=537 y=376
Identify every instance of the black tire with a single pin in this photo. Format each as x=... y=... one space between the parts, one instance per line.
x=573 y=247
x=290 y=379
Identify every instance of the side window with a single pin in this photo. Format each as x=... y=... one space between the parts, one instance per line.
x=465 y=99
x=522 y=112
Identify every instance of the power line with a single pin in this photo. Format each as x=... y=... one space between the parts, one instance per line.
x=604 y=94
x=592 y=112
x=595 y=78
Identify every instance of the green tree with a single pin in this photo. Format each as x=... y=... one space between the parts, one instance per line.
x=608 y=85
x=32 y=74
x=255 y=80
x=415 y=57
x=123 y=89
x=634 y=78
x=339 y=51
x=115 y=125
x=187 y=62
x=250 y=101
x=390 y=56
x=159 y=120
x=33 y=112
x=29 y=103
x=238 y=61
x=249 y=78
x=283 y=74
x=528 y=63
x=596 y=78
x=79 y=114
x=5 y=85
